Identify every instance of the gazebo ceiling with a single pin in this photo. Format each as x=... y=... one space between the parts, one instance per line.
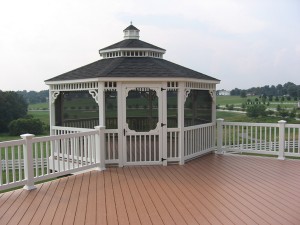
x=131 y=58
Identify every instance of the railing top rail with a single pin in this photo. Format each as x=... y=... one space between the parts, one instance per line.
x=63 y=136
x=173 y=129
x=11 y=143
x=251 y=124
x=198 y=126
x=70 y=128
x=110 y=131
x=292 y=125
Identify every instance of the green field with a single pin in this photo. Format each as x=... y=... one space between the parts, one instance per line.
x=237 y=101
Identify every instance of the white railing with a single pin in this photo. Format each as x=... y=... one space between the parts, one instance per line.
x=199 y=140
x=173 y=144
x=111 y=146
x=39 y=158
x=279 y=139
x=110 y=140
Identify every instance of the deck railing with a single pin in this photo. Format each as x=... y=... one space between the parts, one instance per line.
x=279 y=139
x=33 y=159
x=69 y=150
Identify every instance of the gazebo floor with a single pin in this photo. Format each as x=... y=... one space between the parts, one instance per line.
x=213 y=189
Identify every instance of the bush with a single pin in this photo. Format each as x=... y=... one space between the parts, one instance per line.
x=255 y=111
x=26 y=125
x=230 y=107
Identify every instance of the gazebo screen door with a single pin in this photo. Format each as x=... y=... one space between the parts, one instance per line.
x=142 y=113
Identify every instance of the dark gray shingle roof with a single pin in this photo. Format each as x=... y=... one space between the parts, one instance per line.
x=131 y=27
x=131 y=67
x=132 y=43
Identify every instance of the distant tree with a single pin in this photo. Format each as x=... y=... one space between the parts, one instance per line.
x=235 y=92
x=12 y=106
x=33 y=97
x=243 y=94
x=270 y=98
x=26 y=125
x=283 y=113
x=230 y=107
x=278 y=108
x=243 y=106
x=255 y=111
x=293 y=113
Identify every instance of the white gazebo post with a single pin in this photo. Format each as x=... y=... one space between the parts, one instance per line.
x=164 y=127
x=181 y=99
x=220 y=136
x=52 y=97
x=120 y=123
x=281 y=139
x=100 y=146
x=101 y=103
x=28 y=161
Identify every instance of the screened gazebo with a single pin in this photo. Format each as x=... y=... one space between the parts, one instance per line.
x=154 y=111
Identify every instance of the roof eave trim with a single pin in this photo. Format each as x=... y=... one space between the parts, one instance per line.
x=133 y=79
x=132 y=49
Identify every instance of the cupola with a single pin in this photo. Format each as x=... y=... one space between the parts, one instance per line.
x=132 y=46
x=131 y=32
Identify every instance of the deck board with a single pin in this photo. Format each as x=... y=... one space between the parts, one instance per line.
x=214 y=189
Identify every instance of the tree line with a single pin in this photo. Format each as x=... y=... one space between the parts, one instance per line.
x=33 y=97
x=288 y=89
x=13 y=113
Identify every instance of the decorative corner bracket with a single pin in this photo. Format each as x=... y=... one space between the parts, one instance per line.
x=186 y=93
x=54 y=96
x=212 y=95
x=94 y=94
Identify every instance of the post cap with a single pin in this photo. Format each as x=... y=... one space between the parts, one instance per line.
x=27 y=136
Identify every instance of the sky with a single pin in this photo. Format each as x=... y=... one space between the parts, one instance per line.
x=243 y=43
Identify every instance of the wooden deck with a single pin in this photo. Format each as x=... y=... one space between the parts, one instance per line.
x=214 y=189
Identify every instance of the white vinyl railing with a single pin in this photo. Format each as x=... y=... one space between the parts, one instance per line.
x=199 y=140
x=173 y=144
x=70 y=150
x=111 y=146
x=33 y=159
x=279 y=139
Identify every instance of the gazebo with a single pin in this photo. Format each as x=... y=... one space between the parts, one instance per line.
x=154 y=111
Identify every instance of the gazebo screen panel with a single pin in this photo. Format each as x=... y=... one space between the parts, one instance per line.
x=111 y=109
x=142 y=109
x=172 y=108
x=76 y=109
x=198 y=108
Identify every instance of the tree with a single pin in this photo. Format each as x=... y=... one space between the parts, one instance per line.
x=26 y=125
x=235 y=92
x=243 y=94
x=12 y=106
x=255 y=111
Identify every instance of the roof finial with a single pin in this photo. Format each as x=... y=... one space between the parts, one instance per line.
x=130 y=22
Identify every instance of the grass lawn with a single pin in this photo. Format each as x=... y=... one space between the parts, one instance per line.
x=237 y=101
x=42 y=115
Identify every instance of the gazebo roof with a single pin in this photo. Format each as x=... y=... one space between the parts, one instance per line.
x=131 y=58
x=132 y=67
x=132 y=43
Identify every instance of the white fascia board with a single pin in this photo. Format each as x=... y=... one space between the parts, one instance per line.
x=132 y=49
x=134 y=79
x=72 y=81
